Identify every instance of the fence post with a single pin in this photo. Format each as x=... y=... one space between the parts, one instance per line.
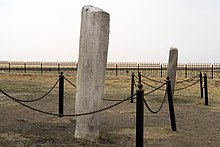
x=171 y=107
x=41 y=67
x=139 y=77
x=138 y=68
x=132 y=87
x=201 y=86
x=9 y=67
x=140 y=116
x=186 y=71
x=161 y=70
x=206 y=89
x=25 y=67
x=61 y=94
x=58 y=67
x=212 y=71
x=116 y=69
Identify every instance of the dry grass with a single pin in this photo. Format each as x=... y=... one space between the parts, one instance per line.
x=34 y=85
x=37 y=84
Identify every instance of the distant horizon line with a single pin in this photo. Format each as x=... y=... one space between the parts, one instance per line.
x=52 y=61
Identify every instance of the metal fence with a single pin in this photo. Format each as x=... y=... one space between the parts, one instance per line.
x=113 y=68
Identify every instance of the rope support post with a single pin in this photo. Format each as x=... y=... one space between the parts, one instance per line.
x=61 y=94
x=132 y=88
x=140 y=116
x=9 y=67
x=212 y=71
x=116 y=70
x=41 y=68
x=201 y=85
x=206 y=89
x=58 y=67
x=139 y=77
x=25 y=67
x=171 y=106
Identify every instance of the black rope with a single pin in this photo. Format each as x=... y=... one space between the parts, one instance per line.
x=155 y=112
x=68 y=115
x=27 y=105
x=187 y=86
x=111 y=100
x=100 y=110
x=116 y=100
x=152 y=79
x=34 y=99
x=153 y=86
x=188 y=80
x=136 y=77
x=135 y=84
x=155 y=89
x=70 y=82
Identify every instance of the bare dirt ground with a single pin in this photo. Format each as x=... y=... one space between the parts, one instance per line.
x=197 y=125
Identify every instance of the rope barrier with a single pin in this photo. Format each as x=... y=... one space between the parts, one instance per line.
x=153 y=86
x=68 y=115
x=135 y=84
x=187 y=86
x=155 y=112
x=100 y=110
x=70 y=82
x=152 y=79
x=135 y=81
x=27 y=105
x=188 y=80
x=116 y=100
x=112 y=100
x=135 y=76
x=155 y=89
x=34 y=99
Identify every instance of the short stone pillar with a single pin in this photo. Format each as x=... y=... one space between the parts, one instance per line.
x=172 y=67
x=91 y=72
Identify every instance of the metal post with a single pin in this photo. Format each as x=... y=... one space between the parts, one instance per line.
x=186 y=71
x=171 y=107
x=212 y=71
x=139 y=77
x=61 y=94
x=132 y=87
x=206 y=89
x=138 y=68
x=116 y=68
x=9 y=67
x=25 y=67
x=41 y=67
x=140 y=116
x=201 y=86
x=58 y=68
x=161 y=70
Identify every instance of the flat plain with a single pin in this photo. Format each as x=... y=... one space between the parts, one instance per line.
x=197 y=124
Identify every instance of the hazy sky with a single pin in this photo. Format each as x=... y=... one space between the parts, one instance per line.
x=140 y=30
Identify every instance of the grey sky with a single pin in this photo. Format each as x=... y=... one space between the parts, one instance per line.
x=141 y=30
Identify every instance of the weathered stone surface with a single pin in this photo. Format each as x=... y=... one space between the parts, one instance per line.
x=94 y=38
x=172 y=66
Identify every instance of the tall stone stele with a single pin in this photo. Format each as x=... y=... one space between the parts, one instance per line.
x=91 y=72
x=172 y=67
